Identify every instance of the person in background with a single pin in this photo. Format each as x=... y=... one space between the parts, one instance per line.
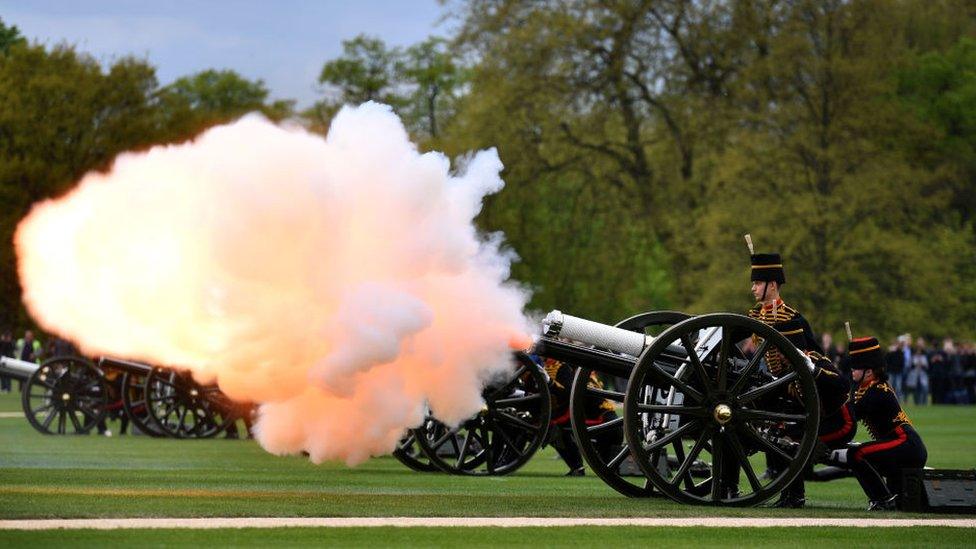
x=917 y=375
x=28 y=348
x=898 y=361
x=6 y=349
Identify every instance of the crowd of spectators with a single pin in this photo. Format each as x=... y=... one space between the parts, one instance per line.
x=29 y=349
x=921 y=372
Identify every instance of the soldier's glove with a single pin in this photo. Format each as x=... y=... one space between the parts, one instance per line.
x=838 y=457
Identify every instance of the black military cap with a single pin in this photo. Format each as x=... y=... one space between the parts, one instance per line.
x=768 y=268
x=793 y=331
x=864 y=353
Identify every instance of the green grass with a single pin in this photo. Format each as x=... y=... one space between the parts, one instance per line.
x=131 y=476
x=505 y=537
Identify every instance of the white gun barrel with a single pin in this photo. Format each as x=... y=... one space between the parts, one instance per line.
x=21 y=369
x=557 y=324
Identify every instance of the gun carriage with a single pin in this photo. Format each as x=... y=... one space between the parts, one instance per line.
x=69 y=394
x=701 y=409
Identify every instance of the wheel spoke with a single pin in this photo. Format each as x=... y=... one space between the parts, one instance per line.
x=508 y=385
x=656 y=370
x=605 y=426
x=440 y=442
x=511 y=444
x=50 y=417
x=43 y=408
x=766 y=444
x=718 y=468
x=603 y=393
x=771 y=386
x=514 y=401
x=618 y=459
x=657 y=444
x=465 y=445
x=61 y=422
x=74 y=421
x=489 y=455
x=740 y=453
x=518 y=422
x=765 y=415
x=690 y=460
x=696 y=364
x=675 y=409
x=723 y=359
x=750 y=368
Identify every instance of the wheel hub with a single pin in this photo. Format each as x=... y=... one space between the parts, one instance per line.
x=722 y=413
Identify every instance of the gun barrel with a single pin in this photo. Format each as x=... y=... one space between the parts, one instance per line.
x=559 y=325
x=20 y=369
x=125 y=365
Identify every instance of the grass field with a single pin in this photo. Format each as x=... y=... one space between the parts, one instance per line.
x=132 y=476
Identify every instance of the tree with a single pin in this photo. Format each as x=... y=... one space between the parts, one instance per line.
x=196 y=102
x=9 y=37
x=432 y=70
x=364 y=72
x=61 y=116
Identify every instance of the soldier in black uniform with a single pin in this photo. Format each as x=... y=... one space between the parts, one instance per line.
x=597 y=411
x=768 y=278
x=837 y=425
x=896 y=444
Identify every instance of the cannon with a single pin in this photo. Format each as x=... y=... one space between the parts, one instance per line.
x=511 y=426
x=71 y=394
x=701 y=409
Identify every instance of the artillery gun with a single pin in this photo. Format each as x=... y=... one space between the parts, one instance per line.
x=700 y=409
x=71 y=394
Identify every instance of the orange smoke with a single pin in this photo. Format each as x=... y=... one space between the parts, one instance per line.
x=338 y=281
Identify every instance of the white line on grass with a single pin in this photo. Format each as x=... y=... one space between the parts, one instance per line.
x=504 y=522
x=5 y=415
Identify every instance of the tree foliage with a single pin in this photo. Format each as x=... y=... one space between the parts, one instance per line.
x=824 y=128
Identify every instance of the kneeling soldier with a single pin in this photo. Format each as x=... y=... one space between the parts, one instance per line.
x=597 y=411
x=896 y=444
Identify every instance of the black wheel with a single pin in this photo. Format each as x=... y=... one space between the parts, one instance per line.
x=723 y=409
x=503 y=436
x=180 y=407
x=602 y=443
x=134 y=403
x=65 y=395
x=409 y=453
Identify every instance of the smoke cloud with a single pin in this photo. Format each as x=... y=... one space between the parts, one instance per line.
x=338 y=281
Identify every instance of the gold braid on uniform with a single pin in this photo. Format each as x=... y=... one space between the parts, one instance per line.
x=769 y=316
x=902 y=417
x=606 y=405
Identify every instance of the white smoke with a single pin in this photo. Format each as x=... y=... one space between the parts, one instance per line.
x=338 y=281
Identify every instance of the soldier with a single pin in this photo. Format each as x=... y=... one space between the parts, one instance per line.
x=837 y=424
x=597 y=411
x=896 y=444
x=768 y=278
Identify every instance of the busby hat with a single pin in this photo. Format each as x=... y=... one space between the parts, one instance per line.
x=768 y=268
x=864 y=353
x=792 y=330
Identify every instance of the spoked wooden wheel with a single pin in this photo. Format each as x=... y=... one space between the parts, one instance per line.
x=65 y=395
x=602 y=444
x=503 y=436
x=181 y=408
x=408 y=452
x=731 y=411
x=134 y=403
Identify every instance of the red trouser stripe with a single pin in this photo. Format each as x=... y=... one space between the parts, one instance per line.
x=561 y=419
x=872 y=448
x=848 y=424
